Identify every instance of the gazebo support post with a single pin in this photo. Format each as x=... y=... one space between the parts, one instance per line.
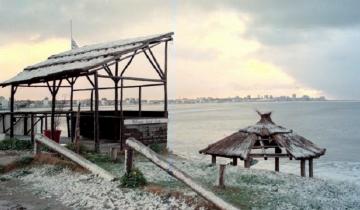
x=311 y=171
x=277 y=159
x=12 y=104
x=213 y=159
x=277 y=164
x=234 y=163
x=96 y=114
x=247 y=163
x=302 y=167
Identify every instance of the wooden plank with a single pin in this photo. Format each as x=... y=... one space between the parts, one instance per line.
x=75 y=157
x=177 y=173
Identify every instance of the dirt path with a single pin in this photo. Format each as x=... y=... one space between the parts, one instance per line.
x=14 y=195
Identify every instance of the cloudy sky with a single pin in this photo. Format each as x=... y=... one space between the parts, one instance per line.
x=221 y=48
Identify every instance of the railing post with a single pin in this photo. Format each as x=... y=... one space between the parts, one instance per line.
x=32 y=128
x=25 y=119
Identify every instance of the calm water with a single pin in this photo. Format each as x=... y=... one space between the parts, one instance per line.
x=332 y=125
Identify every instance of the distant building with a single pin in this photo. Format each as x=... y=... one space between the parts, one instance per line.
x=4 y=104
x=294 y=96
x=45 y=102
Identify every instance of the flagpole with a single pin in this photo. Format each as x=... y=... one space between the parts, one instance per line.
x=71 y=37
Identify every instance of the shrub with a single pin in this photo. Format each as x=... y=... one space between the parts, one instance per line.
x=133 y=179
x=14 y=144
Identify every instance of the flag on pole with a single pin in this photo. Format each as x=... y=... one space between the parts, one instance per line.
x=74 y=45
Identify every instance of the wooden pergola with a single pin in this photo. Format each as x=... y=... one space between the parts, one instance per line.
x=93 y=62
x=265 y=140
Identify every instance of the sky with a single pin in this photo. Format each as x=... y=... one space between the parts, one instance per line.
x=220 y=48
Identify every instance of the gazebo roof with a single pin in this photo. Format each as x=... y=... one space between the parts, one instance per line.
x=82 y=59
x=265 y=134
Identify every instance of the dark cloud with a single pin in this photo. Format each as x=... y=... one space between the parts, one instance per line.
x=43 y=19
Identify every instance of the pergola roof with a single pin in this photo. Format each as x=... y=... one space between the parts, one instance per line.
x=82 y=59
x=264 y=135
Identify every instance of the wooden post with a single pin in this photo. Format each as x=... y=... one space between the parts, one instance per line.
x=68 y=124
x=116 y=81
x=53 y=105
x=96 y=114
x=172 y=170
x=277 y=164
x=46 y=122
x=41 y=124
x=128 y=160
x=37 y=148
x=311 y=170
x=247 y=163
x=75 y=157
x=165 y=78
x=25 y=124
x=234 y=163
x=121 y=114
x=277 y=161
x=3 y=123
x=121 y=96
x=139 y=101
x=221 y=175
x=213 y=159
x=302 y=168
x=71 y=95
x=32 y=128
x=91 y=100
x=77 y=130
x=12 y=95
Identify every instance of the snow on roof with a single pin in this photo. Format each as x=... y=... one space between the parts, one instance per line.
x=83 y=58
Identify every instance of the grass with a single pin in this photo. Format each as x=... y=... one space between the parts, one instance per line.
x=15 y=144
x=133 y=179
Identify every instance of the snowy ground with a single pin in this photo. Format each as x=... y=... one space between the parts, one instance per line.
x=260 y=189
x=248 y=189
x=84 y=191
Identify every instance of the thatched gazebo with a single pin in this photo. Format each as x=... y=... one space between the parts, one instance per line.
x=265 y=140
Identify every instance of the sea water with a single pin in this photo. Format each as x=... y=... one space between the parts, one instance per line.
x=334 y=125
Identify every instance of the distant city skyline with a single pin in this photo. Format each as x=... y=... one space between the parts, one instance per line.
x=220 y=48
